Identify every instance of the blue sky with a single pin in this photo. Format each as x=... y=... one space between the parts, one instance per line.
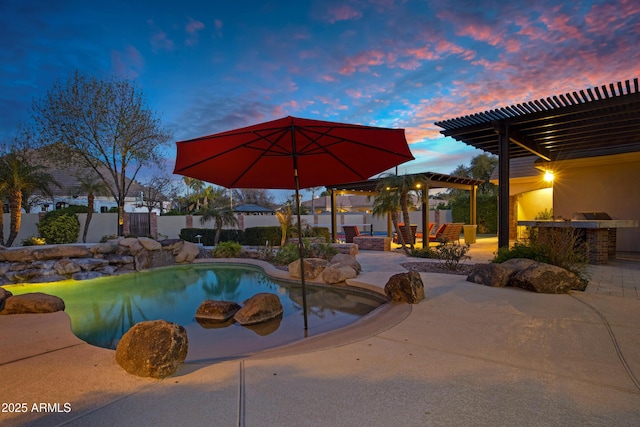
x=210 y=66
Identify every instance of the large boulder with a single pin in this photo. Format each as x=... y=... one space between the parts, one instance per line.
x=153 y=349
x=150 y=244
x=23 y=276
x=36 y=302
x=89 y=264
x=405 y=287
x=490 y=274
x=338 y=273
x=313 y=267
x=217 y=311
x=348 y=260
x=546 y=279
x=188 y=252
x=109 y=247
x=66 y=266
x=4 y=294
x=172 y=244
x=258 y=308
x=17 y=255
x=62 y=251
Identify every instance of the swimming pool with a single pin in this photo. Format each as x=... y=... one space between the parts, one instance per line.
x=103 y=309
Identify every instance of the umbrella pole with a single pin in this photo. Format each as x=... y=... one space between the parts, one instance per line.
x=301 y=253
x=300 y=244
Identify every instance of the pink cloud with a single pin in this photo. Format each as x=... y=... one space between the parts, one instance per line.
x=608 y=17
x=160 y=41
x=192 y=28
x=127 y=64
x=362 y=61
x=343 y=13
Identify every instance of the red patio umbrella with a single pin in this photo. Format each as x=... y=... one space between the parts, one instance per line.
x=292 y=153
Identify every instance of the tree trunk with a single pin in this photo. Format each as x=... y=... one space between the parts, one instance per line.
x=396 y=227
x=216 y=239
x=405 y=215
x=90 y=199
x=120 y=219
x=15 y=206
x=1 y=222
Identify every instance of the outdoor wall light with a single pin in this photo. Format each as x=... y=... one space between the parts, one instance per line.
x=548 y=176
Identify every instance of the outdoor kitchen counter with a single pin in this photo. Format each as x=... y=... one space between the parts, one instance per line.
x=583 y=223
x=600 y=234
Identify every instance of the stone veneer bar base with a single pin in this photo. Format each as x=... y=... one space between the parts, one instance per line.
x=371 y=243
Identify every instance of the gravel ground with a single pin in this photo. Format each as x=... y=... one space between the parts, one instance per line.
x=436 y=267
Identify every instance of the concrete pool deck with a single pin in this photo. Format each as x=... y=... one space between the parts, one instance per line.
x=466 y=355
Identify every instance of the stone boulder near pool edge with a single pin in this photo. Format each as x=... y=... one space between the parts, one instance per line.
x=526 y=274
x=345 y=259
x=546 y=279
x=405 y=287
x=313 y=267
x=259 y=308
x=153 y=349
x=36 y=302
x=4 y=294
x=216 y=311
x=337 y=273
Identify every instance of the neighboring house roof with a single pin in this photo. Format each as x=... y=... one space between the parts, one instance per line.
x=252 y=208
x=67 y=177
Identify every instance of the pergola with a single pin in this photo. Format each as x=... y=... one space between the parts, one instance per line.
x=435 y=180
x=587 y=123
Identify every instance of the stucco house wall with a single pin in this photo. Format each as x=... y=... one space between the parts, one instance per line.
x=608 y=185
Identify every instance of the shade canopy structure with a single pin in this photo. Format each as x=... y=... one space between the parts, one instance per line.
x=434 y=179
x=292 y=153
x=598 y=121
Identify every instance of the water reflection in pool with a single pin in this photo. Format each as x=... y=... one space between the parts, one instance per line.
x=102 y=310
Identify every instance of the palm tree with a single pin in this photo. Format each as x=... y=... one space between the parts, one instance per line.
x=313 y=198
x=17 y=175
x=285 y=218
x=404 y=186
x=387 y=202
x=92 y=186
x=218 y=211
x=2 y=197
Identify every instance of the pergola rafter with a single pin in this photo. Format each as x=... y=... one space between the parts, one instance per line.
x=586 y=123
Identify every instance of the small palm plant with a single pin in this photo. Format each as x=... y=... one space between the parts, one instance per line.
x=18 y=174
x=218 y=210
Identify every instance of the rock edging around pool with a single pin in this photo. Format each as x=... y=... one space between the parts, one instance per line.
x=80 y=262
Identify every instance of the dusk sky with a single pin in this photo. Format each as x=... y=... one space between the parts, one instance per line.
x=210 y=66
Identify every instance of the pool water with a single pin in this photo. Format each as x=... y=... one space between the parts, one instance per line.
x=103 y=309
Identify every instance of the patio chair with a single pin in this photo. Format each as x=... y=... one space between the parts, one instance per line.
x=350 y=231
x=414 y=228
x=447 y=233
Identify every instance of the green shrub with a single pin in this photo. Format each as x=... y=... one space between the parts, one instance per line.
x=208 y=235
x=320 y=250
x=258 y=236
x=425 y=253
x=34 y=241
x=521 y=250
x=451 y=253
x=227 y=250
x=286 y=254
x=321 y=232
x=59 y=227
x=562 y=247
